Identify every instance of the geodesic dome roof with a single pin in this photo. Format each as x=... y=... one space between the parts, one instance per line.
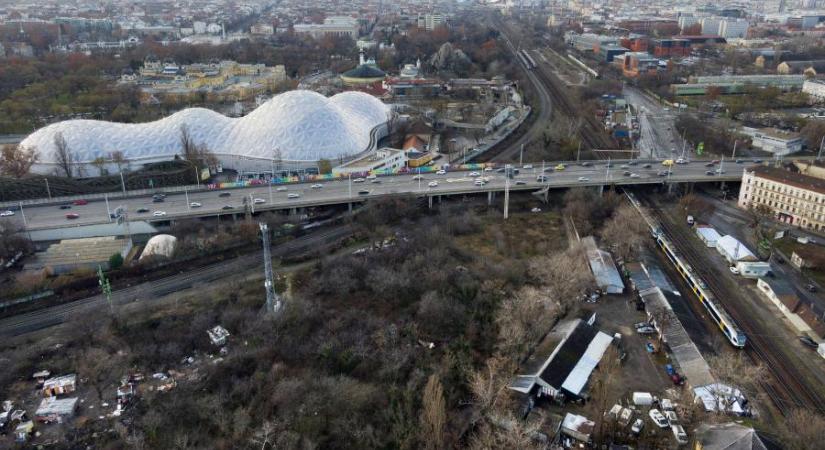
x=303 y=125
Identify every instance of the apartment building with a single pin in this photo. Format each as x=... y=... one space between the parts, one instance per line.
x=796 y=199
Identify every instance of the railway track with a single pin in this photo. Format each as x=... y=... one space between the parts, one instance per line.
x=785 y=388
x=55 y=315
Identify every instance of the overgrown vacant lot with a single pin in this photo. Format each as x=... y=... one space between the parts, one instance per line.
x=374 y=349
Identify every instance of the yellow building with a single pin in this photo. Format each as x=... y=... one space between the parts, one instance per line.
x=794 y=198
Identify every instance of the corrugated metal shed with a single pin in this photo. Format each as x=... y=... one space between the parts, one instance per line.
x=708 y=235
x=578 y=377
x=603 y=267
x=688 y=358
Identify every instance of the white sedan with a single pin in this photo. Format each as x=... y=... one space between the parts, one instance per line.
x=358 y=180
x=441 y=172
x=195 y=205
x=317 y=186
x=584 y=179
x=281 y=189
x=258 y=201
x=293 y=195
x=474 y=174
x=159 y=213
x=433 y=184
x=6 y=213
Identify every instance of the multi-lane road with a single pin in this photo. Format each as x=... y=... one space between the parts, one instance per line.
x=214 y=202
x=658 y=136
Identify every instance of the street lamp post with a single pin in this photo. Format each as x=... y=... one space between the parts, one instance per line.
x=188 y=205
x=48 y=191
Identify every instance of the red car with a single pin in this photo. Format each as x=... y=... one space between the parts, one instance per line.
x=80 y=202
x=72 y=216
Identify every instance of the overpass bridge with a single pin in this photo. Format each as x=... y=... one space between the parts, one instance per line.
x=46 y=213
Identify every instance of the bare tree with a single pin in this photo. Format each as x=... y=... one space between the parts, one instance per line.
x=736 y=371
x=16 y=161
x=803 y=430
x=562 y=275
x=195 y=153
x=489 y=384
x=433 y=415
x=265 y=436
x=625 y=231
x=63 y=155
x=119 y=159
x=100 y=165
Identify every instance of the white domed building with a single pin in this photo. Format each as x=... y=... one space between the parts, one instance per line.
x=160 y=245
x=301 y=126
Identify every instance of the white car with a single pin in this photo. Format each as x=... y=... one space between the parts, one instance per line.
x=433 y=184
x=371 y=177
x=527 y=166
x=658 y=418
x=159 y=213
x=474 y=174
x=734 y=270
x=293 y=195
x=418 y=177
x=358 y=180
x=6 y=213
x=584 y=179
x=479 y=182
x=258 y=201
x=634 y=175
x=488 y=169
x=536 y=210
x=281 y=189
x=195 y=205
x=441 y=172
x=317 y=186
x=637 y=427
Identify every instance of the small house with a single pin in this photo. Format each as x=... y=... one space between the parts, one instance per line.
x=65 y=384
x=708 y=235
x=808 y=257
x=734 y=251
x=218 y=335
x=54 y=409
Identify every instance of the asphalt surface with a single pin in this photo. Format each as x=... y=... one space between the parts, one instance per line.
x=658 y=136
x=94 y=306
x=338 y=192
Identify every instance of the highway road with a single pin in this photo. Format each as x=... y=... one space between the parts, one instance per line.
x=147 y=291
x=658 y=135
x=341 y=192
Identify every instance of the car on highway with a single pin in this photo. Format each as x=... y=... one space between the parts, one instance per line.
x=560 y=167
x=72 y=216
x=475 y=174
x=527 y=166
x=623 y=166
x=479 y=182
x=258 y=201
x=195 y=205
x=626 y=173
x=441 y=172
x=720 y=171
x=293 y=195
x=227 y=207
x=520 y=183
x=361 y=180
x=66 y=206
x=584 y=179
x=647 y=166
x=634 y=175
x=739 y=161
x=224 y=194
x=158 y=200
x=500 y=170
x=6 y=213
x=317 y=186
x=371 y=176
x=433 y=184
x=586 y=164
x=734 y=270
x=363 y=192
x=542 y=178
x=808 y=341
x=376 y=181
x=757 y=161
x=142 y=210
x=159 y=213
x=633 y=163
x=709 y=172
x=281 y=189
x=80 y=202
x=488 y=169
x=658 y=418
x=418 y=177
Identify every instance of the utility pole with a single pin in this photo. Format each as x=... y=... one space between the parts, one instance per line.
x=105 y=288
x=273 y=301
x=108 y=211
x=506 y=197
x=521 y=155
x=819 y=155
x=48 y=191
x=579 y=152
x=122 y=183
x=733 y=154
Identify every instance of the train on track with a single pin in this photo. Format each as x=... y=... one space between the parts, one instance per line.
x=584 y=66
x=717 y=313
x=526 y=60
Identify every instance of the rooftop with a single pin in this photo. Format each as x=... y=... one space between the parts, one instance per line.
x=790 y=178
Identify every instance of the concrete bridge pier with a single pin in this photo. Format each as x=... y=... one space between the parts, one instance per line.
x=430 y=201
x=349 y=207
x=490 y=198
